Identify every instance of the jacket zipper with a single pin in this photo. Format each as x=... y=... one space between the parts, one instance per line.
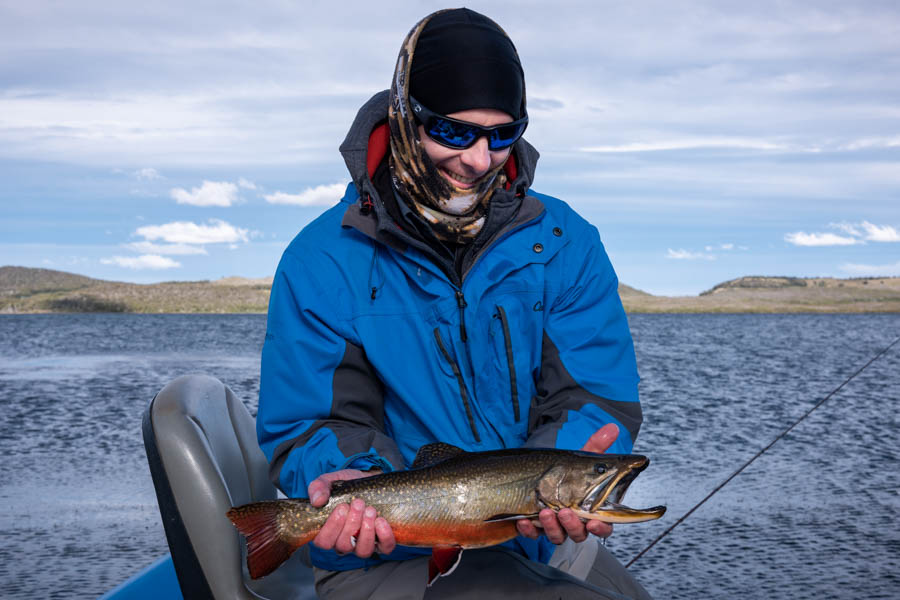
x=509 y=362
x=460 y=381
x=461 y=303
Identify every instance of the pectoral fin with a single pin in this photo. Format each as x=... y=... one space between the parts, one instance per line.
x=509 y=517
x=444 y=559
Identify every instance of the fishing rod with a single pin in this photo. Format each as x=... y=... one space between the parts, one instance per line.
x=758 y=454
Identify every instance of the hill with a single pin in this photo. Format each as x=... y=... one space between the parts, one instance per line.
x=27 y=290
x=776 y=294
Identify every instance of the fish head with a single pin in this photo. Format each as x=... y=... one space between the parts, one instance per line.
x=594 y=485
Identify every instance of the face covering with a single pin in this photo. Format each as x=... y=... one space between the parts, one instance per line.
x=455 y=214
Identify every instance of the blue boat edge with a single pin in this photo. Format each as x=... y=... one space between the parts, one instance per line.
x=158 y=580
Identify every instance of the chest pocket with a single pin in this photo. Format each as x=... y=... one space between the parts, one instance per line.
x=514 y=355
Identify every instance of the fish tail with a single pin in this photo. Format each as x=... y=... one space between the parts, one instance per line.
x=274 y=530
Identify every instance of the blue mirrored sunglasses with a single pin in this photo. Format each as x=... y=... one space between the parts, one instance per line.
x=460 y=135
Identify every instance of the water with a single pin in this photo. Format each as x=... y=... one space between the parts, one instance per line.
x=815 y=517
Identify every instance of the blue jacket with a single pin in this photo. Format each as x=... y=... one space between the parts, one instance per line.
x=372 y=350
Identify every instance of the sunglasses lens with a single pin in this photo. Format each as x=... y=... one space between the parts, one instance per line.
x=504 y=137
x=455 y=135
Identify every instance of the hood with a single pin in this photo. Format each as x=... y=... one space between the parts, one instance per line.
x=368 y=143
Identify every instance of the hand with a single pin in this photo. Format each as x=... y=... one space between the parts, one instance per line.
x=567 y=524
x=348 y=521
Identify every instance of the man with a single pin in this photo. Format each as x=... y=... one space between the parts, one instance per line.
x=443 y=300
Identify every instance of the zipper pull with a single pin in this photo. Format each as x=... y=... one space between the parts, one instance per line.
x=461 y=302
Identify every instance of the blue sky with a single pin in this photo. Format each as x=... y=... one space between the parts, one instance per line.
x=705 y=140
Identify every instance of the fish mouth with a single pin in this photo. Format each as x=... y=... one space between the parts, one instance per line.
x=604 y=500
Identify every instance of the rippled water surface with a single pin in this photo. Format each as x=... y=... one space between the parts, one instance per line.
x=814 y=517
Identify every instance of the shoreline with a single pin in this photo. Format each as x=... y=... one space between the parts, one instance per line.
x=26 y=290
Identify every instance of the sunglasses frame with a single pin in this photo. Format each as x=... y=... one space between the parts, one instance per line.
x=428 y=117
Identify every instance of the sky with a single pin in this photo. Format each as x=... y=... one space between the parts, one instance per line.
x=706 y=141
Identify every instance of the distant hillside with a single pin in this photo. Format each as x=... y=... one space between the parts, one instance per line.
x=26 y=290
x=777 y=294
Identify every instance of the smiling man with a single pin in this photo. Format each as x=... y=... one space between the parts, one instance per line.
x=445 y=300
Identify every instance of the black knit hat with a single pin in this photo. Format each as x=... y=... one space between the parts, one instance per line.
x=463 y=60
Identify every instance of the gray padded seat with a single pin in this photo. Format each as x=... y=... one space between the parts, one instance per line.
x=204 y=458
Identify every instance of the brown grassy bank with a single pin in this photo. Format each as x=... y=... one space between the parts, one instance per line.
x=27 y=290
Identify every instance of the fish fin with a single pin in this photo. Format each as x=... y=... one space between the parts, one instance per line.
x=509 y=517
x=266 y=548
x=432 y=454
x=443 y=561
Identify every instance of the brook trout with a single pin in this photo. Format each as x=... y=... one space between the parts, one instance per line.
x=451 y=499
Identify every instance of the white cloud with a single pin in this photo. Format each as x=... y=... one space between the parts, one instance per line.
x=146 y=247
x=688 y=144
x=800 y=238
x=719 y=247
x=186 y=232
x=147 y=174
x=871 y=270
x=682 y=254
x=859 y=233
x=211 y=193
x=884 y=233
x=847 y=228
x=321 y=195
x=246 y=184
x=145 y=261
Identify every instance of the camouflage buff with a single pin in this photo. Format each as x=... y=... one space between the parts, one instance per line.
x=455 y=214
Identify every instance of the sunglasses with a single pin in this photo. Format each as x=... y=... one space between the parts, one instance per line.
x=460 y=135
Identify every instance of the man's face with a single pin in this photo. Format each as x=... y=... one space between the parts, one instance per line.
x=463 y=168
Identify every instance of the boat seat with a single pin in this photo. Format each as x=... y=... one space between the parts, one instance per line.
x=204 y=459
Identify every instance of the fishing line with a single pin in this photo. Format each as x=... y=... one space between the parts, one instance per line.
x=758 y=454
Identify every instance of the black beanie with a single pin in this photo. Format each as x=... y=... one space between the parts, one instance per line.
x=463 y=60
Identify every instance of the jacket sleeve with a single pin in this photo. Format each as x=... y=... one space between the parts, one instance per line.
x=320 y=401
x=588 y=374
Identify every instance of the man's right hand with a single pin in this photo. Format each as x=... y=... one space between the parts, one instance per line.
x=348 y=521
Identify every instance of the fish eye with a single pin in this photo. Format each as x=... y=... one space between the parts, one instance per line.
x=599 y=469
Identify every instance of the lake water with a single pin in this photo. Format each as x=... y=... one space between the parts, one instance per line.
x=815 y=517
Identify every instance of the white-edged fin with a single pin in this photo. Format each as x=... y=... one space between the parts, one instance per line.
x=432 y=454
x=443 y=561
x=509 y=517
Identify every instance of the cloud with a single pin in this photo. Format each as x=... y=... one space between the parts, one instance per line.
x=800 y=238
x=322 y=195
x=147 y=174
x=146 y=247
x=246 y=184
x=721 y=247
x=859 y=233
x=145 y=261
x=211 y=193
x=892 y=270
x=885 y=233
x=688 y=144
x=682 y=254
x=186 y=232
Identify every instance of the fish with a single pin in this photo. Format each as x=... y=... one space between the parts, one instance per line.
x=450 y=500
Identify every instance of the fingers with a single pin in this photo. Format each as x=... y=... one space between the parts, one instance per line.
x=573 y=525
x=552 y=528
x=559 y=527
x=330 y=531
x=365 y=542
x=345 y=542
x=526 y=527
x=385 y=536
x=356 y=528
x=600 y=529
x=602 y=439
x=319 y=490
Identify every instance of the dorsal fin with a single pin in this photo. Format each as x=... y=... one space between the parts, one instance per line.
x=432 y=454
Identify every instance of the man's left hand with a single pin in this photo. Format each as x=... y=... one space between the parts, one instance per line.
x=567 y=524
